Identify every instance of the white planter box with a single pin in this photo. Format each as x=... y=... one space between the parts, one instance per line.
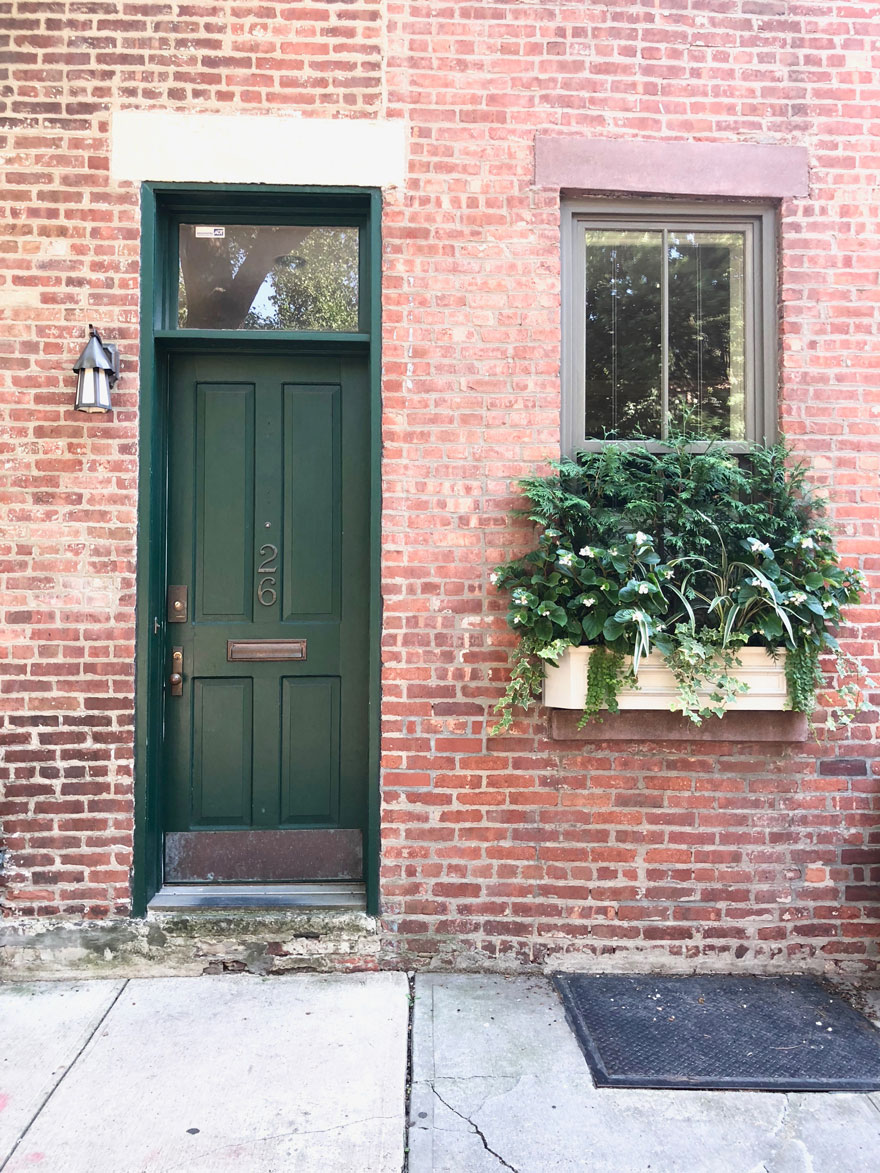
x=565 y=687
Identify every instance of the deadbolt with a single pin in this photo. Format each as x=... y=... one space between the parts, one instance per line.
x=175 y=680
x=177 y=604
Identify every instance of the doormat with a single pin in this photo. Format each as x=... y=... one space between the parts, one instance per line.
x=769 y=1034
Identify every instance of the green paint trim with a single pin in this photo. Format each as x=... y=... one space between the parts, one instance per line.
x=160 y=203
x=187 y=198
x=209 y=337
x=242 y=204
x=145 y=862
x=372 y=838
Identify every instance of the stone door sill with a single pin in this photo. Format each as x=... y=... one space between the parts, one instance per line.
x=175 y=897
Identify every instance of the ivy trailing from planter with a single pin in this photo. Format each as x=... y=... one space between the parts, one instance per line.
x=692 y=551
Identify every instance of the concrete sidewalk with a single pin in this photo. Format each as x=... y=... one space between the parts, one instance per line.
x=204 y=1075
x=499 y=1082
x=308 y=1073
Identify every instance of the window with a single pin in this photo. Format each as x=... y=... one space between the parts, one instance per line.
x=669 y=315
x=267 y=277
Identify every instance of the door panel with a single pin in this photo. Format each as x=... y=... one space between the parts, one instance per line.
x=309 y=750
x=222 y=752
x=312 y=533
x=224 y=512
x=268 y=529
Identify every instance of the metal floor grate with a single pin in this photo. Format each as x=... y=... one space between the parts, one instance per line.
x=771 y=1034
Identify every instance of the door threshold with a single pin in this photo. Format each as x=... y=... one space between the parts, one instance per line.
x=179 y=896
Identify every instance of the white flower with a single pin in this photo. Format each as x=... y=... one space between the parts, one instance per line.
x=587 y=552
x=566 y=557
x=493 y=578
x=668 y=573
x=644 y=588
x=520 y=597
x=758 y=547
x=640 y=616
x=755 y=582
x=642 y=539
x=808 y=544
x=613 y=551
x=516 y=619
x=590 y=602
x=797 y=597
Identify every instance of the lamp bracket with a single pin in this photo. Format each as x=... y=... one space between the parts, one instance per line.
x=112 y=352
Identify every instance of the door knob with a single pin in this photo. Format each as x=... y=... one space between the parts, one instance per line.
x=176 y=677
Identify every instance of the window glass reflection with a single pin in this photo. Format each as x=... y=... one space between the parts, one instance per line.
x=706 y=332
x=623 y=333
x=267 y=277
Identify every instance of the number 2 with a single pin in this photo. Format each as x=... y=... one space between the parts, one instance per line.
x=271 y=553
x=266 y=593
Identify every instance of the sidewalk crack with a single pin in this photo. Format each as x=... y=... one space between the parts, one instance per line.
x=408 y=1078
x=55 y=1086
x=476 y=1129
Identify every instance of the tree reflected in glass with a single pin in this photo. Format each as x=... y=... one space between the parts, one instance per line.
x=706 y=340
x=250 y=277
x=623 y=335
x=647 y=288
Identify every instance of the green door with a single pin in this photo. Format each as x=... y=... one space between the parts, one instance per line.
x=265 y=758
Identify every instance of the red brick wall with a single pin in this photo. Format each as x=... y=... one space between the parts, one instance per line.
x=519 y=848
x=502 y=851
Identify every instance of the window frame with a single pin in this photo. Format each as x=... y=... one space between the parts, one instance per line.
x=241 y=204
x=757 y=221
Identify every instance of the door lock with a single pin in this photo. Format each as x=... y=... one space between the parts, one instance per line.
x=178 y=598
x=176 y=677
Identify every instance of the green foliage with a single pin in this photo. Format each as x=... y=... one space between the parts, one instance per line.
x=803 y=675
x=694 y=551
x=314 y=289
x=594 y=594
x=700 y=662
x=605 y=675
x=806 y=680
x=685 y=495
x=524 y=686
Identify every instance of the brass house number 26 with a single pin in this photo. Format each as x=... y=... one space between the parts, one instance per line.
x=266 y=571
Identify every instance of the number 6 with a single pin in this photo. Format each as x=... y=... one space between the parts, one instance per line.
x=266 y=593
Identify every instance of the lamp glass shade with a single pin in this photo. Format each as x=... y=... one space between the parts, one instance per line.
x=92 y=389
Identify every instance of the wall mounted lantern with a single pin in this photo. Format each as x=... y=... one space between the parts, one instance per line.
x=97 y=369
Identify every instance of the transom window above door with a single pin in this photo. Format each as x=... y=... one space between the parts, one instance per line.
x=669 y=322
x=275 y=277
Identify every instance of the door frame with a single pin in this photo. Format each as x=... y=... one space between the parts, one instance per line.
x=161 y=206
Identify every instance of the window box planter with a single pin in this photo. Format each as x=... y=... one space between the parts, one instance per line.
x=565 y=685
x=699 y=556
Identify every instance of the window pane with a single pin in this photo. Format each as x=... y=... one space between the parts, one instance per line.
x=250 y=277
x=706 y=332
x=623 y=328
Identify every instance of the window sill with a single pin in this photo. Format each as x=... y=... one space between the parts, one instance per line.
x=649 y=726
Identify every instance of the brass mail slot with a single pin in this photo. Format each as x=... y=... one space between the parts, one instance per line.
x=266 y=649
